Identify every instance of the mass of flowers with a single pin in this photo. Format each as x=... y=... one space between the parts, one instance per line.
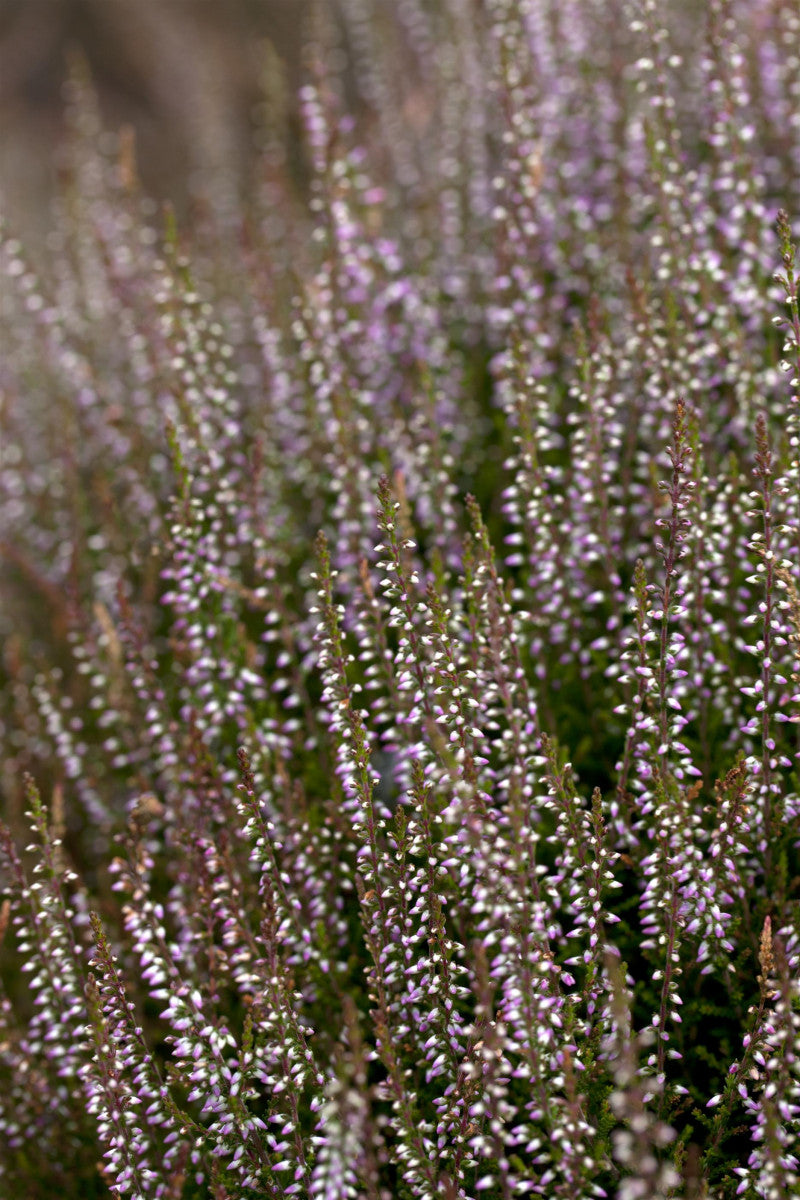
x=400 y=628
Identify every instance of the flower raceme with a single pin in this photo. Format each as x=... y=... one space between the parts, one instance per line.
x=400 y=619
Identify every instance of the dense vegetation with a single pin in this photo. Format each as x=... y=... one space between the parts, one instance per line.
x=401 y=630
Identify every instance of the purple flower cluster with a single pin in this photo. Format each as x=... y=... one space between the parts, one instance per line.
x=401 y=604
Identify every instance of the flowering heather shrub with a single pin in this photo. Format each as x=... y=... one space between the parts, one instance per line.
x=401 y=623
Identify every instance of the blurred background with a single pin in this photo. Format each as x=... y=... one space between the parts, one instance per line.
x=189 y=76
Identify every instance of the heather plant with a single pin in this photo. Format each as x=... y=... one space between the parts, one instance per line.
x=401 y=630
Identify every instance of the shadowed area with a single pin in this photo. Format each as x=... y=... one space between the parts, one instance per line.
x=189 y=76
